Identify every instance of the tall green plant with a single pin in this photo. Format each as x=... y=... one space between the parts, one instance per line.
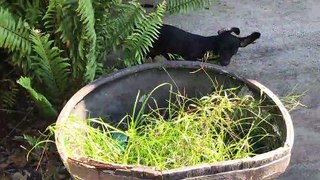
x=60 y=45
x=47 y=110
x=137 y=44
x=49 y=67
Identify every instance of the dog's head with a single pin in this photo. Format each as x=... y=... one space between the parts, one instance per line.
x=229 y=43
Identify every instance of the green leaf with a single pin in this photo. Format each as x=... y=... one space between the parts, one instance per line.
x=14 y=34
x=146 y=31
x=44 y=106
x=53 y=16
x=177 y=6
x=87 y=44
x=49 y=67
x=8 y=93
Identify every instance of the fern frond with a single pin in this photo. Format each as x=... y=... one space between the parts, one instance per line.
x=86 y=13
x=91 y=68
x=128 y=17
x=176 y=6
x=101 y=70
x=68 y=26
x=34 y=11
x=87 y=44
x=44 y=106
x=14 y=34
x=15 y=7
x=8 y=93
x=50 y=68
x=103 y=27
x=138 y=44
x=69 y=31
x=21 y=61
x=52 y=17
x=4 y=4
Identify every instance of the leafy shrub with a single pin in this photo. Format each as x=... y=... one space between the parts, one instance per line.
x=60 y=44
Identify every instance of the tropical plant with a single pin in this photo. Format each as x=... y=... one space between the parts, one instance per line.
x=60 y=45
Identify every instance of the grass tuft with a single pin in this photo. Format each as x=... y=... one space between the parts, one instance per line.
x=220 y=126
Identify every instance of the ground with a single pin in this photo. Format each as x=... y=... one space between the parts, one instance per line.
x=286 y=58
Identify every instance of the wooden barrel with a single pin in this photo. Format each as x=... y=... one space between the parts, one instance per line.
x=113 y=96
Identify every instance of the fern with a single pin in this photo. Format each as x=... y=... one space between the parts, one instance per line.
x=128 y=18
x=176 y=6
x=8 y=93
x=44 y=106
x=68 y=26
x=50 y=68
x=77 y=34
x=138 y=44
x=111 y=15
x=5 y=4
x=52 y=17
x=87 y=43
x=104 y=27
x=86 y=14
x=91 y=68
x=14 y=34
x=69 y=30
x=34 y=11
x=15 y=38
x=15 y=7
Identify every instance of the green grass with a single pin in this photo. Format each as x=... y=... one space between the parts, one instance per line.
x=220 y=126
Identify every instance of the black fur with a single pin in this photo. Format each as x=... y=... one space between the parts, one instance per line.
x=192 y=47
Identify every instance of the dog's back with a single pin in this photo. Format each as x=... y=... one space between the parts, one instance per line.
x=189 y=46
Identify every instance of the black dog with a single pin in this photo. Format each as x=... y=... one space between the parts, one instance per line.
x=192 y=47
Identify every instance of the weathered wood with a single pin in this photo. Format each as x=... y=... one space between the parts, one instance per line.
x=107 y=94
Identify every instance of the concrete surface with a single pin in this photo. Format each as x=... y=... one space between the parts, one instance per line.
x=286 y=56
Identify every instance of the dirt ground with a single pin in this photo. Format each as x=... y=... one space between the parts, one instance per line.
x=286 y=58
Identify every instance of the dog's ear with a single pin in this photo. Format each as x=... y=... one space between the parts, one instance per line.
x=245 y=41
x=230 y=30
x=235 y=30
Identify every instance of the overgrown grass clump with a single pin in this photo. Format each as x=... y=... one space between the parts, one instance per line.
x=220 y=126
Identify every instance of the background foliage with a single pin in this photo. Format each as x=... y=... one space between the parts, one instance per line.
x=57 y=46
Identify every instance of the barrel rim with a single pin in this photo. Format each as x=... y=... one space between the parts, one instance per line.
x=262 y=158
